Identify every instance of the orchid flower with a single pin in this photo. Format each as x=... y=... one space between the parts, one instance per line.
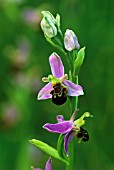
x=70 y=128
x=58 y=87
x=47 y=167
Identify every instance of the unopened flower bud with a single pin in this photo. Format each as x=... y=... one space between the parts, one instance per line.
x=70 y=41
x=48 y=24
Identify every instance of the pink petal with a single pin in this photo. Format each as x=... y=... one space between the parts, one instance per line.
x=56 y=65
x=48 y=164
x=45 y=92
x=62 y=127
x=67 y=139
x=60 y=118
x=73 y=89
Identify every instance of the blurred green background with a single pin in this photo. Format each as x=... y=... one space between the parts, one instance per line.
x=24 y=56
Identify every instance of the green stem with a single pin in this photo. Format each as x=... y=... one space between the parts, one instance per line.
x=76 y=96
x=71 y=160
x=74 y=104
x=71 y=165
x=60 y=33
x=74 y=100
x=70 y=62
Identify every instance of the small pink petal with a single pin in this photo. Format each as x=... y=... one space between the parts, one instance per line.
x=56 y=65
x=67 y=139
x=45 y=92
x=60 y=118
x=73 y=89
x=48 y=164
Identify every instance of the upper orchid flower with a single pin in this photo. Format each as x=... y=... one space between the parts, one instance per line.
x=70 y=128
x=47 y=167
x=58 y=87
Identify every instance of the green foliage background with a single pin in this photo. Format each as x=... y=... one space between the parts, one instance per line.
x=24 y=56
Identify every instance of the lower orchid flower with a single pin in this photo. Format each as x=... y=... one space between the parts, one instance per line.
x=58 y=87
x=47 y=167
x=70 y=128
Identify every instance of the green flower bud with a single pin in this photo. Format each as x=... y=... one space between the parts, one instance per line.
x=49 y=24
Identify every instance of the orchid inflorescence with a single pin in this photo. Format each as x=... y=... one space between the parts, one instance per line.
x=60 y=87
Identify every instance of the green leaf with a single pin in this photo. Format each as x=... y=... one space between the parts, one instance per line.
x=48 y=149
x=79 y=61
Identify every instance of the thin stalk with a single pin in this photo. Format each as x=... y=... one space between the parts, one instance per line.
x=74 y=105
x=70 y=61
x=73 y=101
x=71 y=160
x=76 y=96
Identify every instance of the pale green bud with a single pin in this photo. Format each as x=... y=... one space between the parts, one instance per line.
x=49 y=24
x=70 y=41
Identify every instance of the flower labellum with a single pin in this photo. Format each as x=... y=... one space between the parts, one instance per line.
x=83 y=134
x=59 y=94
x=58 y=87
x=70 y=41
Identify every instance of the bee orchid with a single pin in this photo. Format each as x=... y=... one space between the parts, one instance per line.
x=58 y=87
x=70 y=128
x=47 y=167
